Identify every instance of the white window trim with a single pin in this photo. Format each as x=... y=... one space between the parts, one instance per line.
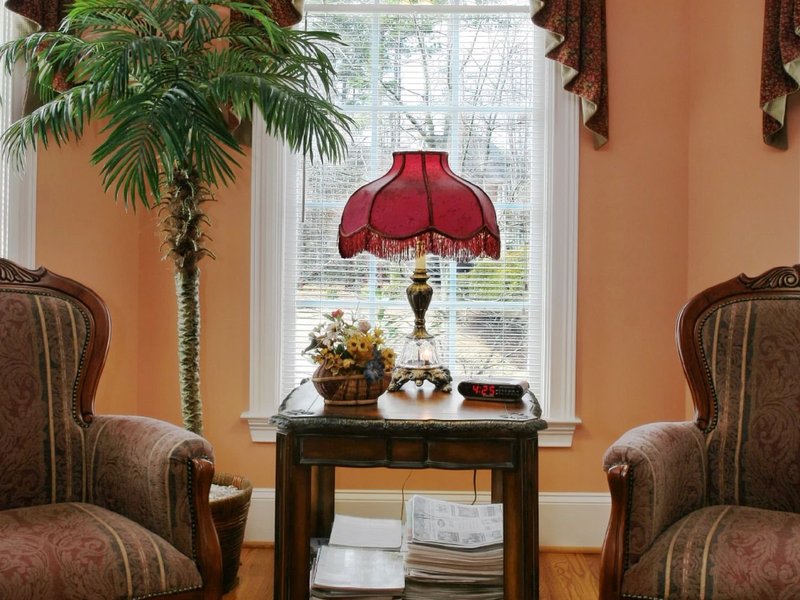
x=268 y=190
x=21 y=216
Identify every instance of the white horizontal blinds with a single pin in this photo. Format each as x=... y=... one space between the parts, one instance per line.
x=446 y=78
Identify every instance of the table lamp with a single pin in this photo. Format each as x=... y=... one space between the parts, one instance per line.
x=418 y=207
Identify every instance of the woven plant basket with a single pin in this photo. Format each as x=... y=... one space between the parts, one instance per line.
x=349 y=389
x=230 y=518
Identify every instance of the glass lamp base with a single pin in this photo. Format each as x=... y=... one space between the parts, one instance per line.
x=419 y=362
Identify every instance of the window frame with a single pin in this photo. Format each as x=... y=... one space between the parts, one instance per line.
x=270 y=181
x=19 y=223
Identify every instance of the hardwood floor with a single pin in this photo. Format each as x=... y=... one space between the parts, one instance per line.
x=562 y=577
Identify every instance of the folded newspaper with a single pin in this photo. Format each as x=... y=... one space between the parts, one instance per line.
x=448 y=524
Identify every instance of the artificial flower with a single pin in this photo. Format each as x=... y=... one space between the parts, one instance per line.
x=350 y=347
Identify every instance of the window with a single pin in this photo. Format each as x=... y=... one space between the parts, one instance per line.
x=17 y=190
x=469 y=79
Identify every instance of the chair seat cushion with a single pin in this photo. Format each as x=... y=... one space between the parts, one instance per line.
x=82 y=551
x=721 y=553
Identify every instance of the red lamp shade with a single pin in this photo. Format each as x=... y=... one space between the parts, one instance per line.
x=420 y=200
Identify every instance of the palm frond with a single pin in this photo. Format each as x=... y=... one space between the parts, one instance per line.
x=61 y=118
x=203 y=24
x=307 y=122
x=153 y=132
x=161 y=73
x=137 y=16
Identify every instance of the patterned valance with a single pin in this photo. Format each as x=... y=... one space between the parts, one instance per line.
x=780 y=65
x=46 y=14
x=576 y=39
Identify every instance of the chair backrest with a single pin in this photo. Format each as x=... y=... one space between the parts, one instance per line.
x=54 y=336
x=739 y=343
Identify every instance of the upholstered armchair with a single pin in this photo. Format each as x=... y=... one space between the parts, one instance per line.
x=91 y=506
x=709 y=509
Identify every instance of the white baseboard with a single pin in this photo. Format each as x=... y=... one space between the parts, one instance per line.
x=566 y=520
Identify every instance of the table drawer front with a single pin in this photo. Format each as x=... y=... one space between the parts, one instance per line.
x=408 y=450
x=414 y=452
x=496 y=454
x=344 y=450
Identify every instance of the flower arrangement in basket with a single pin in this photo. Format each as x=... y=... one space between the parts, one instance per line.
x=354 y=364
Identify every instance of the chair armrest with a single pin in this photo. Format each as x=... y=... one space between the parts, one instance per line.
x=665 y=467
x=146 y=470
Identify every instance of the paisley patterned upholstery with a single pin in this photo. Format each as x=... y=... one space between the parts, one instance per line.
x=710 y=510
x=722 y=551
x=90 y=506
x=76 y=550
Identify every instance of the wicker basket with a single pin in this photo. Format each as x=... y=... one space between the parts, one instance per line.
x=349 y=389
x=230 y=518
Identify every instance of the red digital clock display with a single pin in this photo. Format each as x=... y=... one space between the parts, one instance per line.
x=485 y=390
x=503 y=389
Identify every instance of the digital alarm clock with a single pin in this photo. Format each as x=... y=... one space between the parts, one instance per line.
x=501 y=389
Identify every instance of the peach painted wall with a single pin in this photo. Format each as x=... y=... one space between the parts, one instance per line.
x=82 y=234
x=683 y=195
x=632 y=243
x=743 y=194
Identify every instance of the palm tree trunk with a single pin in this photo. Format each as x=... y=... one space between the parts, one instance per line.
x=184 y=236
x=187 y=289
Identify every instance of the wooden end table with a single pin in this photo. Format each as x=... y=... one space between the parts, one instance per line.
x=417 y=428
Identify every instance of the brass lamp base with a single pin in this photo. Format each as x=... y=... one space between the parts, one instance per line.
x=438 y=376
x=419 y=360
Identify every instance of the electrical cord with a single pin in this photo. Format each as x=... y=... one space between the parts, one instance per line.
x=403 y=495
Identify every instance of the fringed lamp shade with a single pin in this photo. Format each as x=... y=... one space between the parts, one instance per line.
x=420 y=203
x=420 y=207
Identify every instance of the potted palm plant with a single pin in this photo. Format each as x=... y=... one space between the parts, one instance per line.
x=170 y=80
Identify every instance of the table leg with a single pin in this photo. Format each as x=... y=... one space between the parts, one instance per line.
x=497 y=486
x=292 y=524
x=323 y=481
x=282 y=519
x=513 y=537
x=521 y=525
x=530 y=524
x=299 y=565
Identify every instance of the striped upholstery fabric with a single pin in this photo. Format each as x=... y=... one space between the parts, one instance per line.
x=722 y=552
x=75 y=550
x=752 y=352
x=42 y=340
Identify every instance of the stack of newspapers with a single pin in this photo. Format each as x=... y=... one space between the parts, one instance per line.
x=453 y=550
x=362 y=561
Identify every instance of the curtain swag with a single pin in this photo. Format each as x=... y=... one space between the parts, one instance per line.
x=45 y=15
x=576 y=39
x=780 y=66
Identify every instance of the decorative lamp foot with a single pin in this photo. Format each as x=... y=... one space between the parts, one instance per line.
x=438 y=376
